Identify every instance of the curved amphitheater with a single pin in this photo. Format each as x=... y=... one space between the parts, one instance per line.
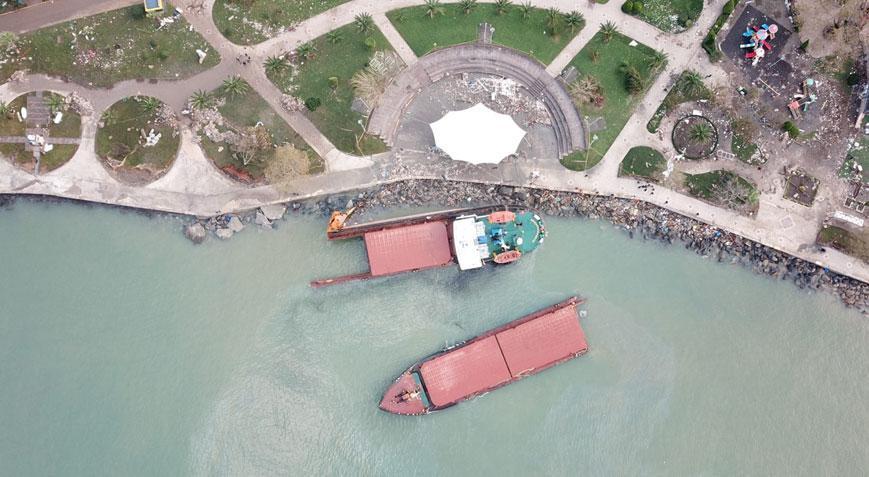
x=480 y=59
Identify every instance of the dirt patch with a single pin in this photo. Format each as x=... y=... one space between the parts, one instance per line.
x=695 y=137
x=801 y=187
x=832 y=27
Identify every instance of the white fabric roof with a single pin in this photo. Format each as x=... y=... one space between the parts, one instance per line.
x=477 y=135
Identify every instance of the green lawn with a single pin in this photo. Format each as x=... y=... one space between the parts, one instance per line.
x=852 y=243
x=724 y=188
x=246 y=110
x=341 y=60
x=644 y=162
x=671 y=15
x=246 y=22
x=531 y=35
x=743 y=148
x=859 y=154
x=688 y=87
x=103 y=49
x=70 y=126
x=619 y=103
x=120 y=139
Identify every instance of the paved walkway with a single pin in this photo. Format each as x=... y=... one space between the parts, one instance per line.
x=395 y=39
x=194 y=186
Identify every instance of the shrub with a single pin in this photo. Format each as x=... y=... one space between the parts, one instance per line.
x=804 y=46
x=371 y=43
x=728 y=8
x=638 y=8
x=313 y=103
x=628 y=7
x=791 y=128
x=138 y=12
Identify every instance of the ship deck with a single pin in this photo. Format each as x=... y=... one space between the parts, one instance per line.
x=413 y=247
x=524 y=233
x=521 y=348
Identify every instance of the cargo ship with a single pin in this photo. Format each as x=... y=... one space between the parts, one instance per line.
x=471 y=237
x=494 y=359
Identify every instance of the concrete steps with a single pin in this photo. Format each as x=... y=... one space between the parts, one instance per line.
x=480 y=59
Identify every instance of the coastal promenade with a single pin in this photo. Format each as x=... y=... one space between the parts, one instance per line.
x=193 y=186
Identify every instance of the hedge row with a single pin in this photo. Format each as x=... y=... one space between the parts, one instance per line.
x=709 y=41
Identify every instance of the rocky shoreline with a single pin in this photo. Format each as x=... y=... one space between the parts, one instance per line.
x=637 y=218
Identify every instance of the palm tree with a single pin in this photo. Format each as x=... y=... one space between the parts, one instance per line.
x=574 y=20
x=525 y=10
x=55 y=102
x=149 y=104
x=657 y=60
x=700 y=133
x=200 y=100
x=305 y=50
x=334 y=37
x=586 y=89
x=468 y=5
x=608 y=30
x=501 y=6
x=692 y=83
x=635 y=82
x=275 y=64
x=433 y=8
x=553 y=19
x=235 y=86
x=364 y=23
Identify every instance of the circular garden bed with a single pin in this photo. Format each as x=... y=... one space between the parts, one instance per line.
x=51 y=129
x=695 y=137
x=138 y=139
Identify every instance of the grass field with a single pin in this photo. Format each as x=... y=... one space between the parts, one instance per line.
x=858 y=155
x=671 y=15
x=531 y=35
x=725 y=189
x=120 y=138
x=70 y=126
x=619 y=103
x=341 y=60
x=246 y=22
x=643 y=162
x=246 y=110
x=103 y=49
x=852 y=243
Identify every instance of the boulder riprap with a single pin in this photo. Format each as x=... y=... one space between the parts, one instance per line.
x=235 y=224
x=223 y=233
x=262 y=220
x=273 y=212
x=195 y=232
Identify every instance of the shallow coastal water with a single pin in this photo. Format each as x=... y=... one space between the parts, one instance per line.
x=126 y=350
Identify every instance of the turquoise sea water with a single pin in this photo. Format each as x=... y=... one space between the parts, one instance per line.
x=126 y=350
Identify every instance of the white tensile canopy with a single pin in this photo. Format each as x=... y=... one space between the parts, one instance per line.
x=477 y=135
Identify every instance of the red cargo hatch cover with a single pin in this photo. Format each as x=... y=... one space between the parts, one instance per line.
x=464 y=371
x=408 y=248
x=542 y=341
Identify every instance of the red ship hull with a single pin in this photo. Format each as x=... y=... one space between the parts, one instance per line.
x=496 y=358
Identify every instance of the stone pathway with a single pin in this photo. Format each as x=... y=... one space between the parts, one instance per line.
x=194 y=186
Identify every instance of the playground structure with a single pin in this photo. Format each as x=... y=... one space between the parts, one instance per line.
x=801 y=101
x=758 y=41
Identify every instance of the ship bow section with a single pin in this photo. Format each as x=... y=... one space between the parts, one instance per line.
x=406 y=396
